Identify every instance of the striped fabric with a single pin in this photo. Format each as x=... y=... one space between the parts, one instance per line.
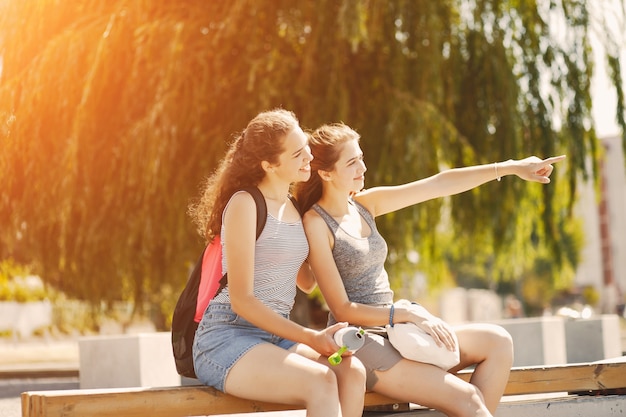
x=280 y=251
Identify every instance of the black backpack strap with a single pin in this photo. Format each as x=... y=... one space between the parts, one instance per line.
x=261 y=219
x=261 y=208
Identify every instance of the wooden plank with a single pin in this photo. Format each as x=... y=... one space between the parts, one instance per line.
x=136 y=402
x=567 y=378
x=37 y=372
x=156 y=402
x=378 y=402
x=201 y=400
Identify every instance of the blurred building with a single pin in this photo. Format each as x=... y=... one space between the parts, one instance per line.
x=603 y=209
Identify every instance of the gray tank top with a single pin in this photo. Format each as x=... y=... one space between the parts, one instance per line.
x=360 y=261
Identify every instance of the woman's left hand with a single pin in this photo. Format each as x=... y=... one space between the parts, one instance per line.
x=440 y=331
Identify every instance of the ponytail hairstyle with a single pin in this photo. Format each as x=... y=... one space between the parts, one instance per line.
x=326 y=144
x=261 y=140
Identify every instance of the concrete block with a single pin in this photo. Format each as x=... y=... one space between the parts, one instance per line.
x=136 y=360
x=459 y=305
x=537 y=340
x=483 y=305
x=23 y=319
x=9 y=311
x=453 y=306
x=593 y=339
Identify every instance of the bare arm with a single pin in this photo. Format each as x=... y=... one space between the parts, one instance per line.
x=306 y=279
x=328 y=278
x=240 y=240
x=344 y=310
x=382 y=200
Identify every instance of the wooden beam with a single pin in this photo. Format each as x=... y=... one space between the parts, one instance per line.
x=201 y=400
x=595 y=376
x=33 y=372
x=136 y=402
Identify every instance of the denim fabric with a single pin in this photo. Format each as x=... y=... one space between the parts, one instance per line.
x=221 y=339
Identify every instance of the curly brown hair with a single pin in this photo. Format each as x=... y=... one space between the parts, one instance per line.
x=261 y=140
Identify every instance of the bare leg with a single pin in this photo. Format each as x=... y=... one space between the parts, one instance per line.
x=432 y=387
x=269 y=373
x=350 y=379
x=490 y=348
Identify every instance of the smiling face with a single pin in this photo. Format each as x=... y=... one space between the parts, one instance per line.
x=294 y=162
x=349 y=171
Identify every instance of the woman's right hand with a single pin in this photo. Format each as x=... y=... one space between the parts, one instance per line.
x=324 y=342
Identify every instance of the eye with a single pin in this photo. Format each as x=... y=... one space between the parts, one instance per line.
x=359 y=158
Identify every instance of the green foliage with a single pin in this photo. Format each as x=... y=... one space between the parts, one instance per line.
x=112 y=113
x=17 y=284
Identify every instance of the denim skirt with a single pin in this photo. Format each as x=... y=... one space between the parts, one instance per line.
x=221 y=339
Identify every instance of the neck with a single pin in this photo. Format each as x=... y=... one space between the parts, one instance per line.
x=274 y=192
x=336 y=206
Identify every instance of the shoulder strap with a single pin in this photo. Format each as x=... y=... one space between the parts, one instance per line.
x=261 y=219
x=295 y=204
x=261 y=208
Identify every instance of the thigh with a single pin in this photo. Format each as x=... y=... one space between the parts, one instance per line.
x=270 y=373
x=426 y=385
x=222 y=339
x=377 y=354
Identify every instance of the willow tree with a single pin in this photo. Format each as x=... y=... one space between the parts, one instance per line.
x=112 y=113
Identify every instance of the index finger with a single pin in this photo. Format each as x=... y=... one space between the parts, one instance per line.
x=553 y=159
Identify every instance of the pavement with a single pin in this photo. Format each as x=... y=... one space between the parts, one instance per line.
x=20 y=361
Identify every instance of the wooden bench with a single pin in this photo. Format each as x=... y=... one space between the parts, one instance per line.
x=597 y=378
x=38 y=371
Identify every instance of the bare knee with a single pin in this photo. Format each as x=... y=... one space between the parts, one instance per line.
x=353 y=373
x=322 y=385
x=502 y=344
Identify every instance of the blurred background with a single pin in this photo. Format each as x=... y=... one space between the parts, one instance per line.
x=112 y=113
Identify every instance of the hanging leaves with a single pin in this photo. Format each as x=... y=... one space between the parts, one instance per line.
x=112 y=113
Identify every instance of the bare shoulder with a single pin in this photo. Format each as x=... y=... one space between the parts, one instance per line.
x=312 y=219
x=241 y=203
x=317 y=231
x=242 y=196
x=367 y=198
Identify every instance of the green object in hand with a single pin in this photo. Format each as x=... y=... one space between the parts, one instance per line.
x=335 y=358
x=349 y=338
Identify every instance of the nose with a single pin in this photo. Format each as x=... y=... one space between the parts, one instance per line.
x=308 y=155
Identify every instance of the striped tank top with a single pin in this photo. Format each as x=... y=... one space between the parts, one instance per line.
x=279 y=253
